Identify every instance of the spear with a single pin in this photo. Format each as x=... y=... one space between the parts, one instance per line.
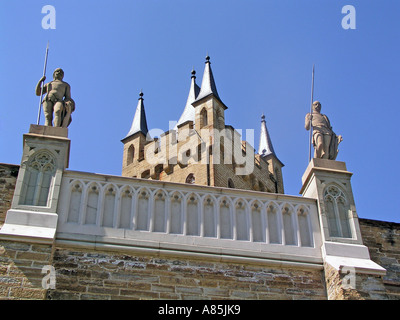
x=41 y=85
x=311 y=128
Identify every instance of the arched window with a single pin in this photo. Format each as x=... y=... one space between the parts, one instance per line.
x=145 y=174
x=131 y=154
x=190 y=178
x=158 y=171
x=337 y=212
x=220 y=119
x=231 y=184
x=199 y=151
x=38 y=179
x=203 y=118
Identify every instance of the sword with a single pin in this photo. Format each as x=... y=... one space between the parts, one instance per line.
x=41 y=86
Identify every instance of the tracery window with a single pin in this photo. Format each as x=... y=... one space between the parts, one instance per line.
x=338 y=212
x=38 y=178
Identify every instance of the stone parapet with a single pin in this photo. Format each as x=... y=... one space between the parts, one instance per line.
x=100 y=209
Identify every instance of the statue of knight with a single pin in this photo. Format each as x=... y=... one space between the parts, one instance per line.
x=58 y=100
x=324 y=140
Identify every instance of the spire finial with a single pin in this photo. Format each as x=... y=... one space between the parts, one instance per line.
x=139 y=123
x=265 y=147
x=207 y=58
x=193 y=73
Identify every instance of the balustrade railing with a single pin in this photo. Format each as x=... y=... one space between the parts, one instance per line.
x=123 y=208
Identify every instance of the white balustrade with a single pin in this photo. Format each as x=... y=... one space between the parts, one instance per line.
x=111 y=207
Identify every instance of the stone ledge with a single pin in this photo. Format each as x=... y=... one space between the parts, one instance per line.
x=322 y=165
x=365 y=266
x=15 y=232
x=176 y=249
x=347 y=250
x=38 y=227
x=48 y=131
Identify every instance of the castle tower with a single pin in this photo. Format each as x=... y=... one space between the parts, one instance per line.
x=135 y=140
x=209 y=108
x=201 y=149
x=267 y=153
x=188 y=113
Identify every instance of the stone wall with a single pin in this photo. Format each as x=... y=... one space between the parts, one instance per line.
x=90 y=274
x=356 y=286
x=8 y=179
x=83 y=274
x=217 y=173
x=22 y=270
x=383 y=241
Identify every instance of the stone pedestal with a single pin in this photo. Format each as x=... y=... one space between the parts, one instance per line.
x=33 y=214
x=343 y=251
x=28 y=234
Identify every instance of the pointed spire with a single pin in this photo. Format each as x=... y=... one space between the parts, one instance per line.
x=188 y=113
x=139 y=123
x=208 y=86
x=265 y=147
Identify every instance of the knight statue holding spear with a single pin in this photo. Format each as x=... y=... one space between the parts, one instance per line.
x=324 y=140
x=58 y=100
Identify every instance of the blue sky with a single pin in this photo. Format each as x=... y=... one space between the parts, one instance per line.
x=262 y=54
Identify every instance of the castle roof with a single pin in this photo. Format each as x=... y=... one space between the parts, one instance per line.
x=139 y=123
x=208 y=86
x=188 y=113
x=265 y=148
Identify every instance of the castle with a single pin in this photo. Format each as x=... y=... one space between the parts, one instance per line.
x=196 y=214
x=201 y=148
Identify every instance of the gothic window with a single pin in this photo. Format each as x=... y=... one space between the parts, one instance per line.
x=158 y=170
x=203 y=118
x=142 y=214
x=141 y=154
x=92 y=203
x=222 y=157
x=176 y=209
x=192 y=215
x=131 y=154
x=241 y=215
x=305 y=232
x=199 y=151
x=190 y=178
x=220 y=119
x=288 y=225
x=145 y=174
x=209 y=217
x=225 y=219
x=337 y=212
x=274 y=224
x=75 y=202
x=40 y=171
